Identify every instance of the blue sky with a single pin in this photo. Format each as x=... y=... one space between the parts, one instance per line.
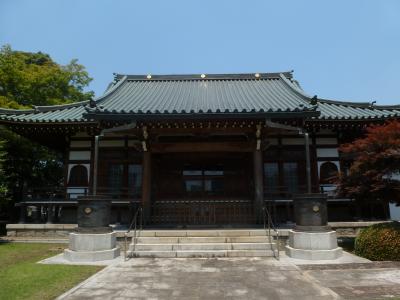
x=346 y=50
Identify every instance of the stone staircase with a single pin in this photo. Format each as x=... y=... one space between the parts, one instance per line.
x=202 y=243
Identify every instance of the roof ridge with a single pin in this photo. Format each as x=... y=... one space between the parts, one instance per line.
x=359 y=104
x=395 y=106
x=13 y=111
x=45 y=108
x=205 y=76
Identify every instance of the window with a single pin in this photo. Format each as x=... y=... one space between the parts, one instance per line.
x=214 y=186
x=78 y=176
x=192 y=172
x=271 y=177
x=115 y=177
x=291 y=176
x=193 y=186
x=327 y=172
x=135 y=179
x=199 y=181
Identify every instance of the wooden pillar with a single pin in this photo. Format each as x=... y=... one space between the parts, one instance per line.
x=146 y=185
x=258 y=185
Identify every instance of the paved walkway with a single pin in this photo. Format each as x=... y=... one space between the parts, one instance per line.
x=238 y=278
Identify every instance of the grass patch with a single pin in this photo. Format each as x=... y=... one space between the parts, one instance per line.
x=22 y=278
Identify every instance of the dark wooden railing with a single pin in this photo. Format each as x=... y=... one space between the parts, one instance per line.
x=202 y=212
x=49 y=204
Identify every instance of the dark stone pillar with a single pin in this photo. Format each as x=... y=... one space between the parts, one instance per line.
x=310 y=212
x=146 y=185
x=50 y=214
x=22 y=213
x=258 y=185
x=94 y=214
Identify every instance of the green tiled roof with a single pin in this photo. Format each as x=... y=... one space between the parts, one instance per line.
x=193 y=95
x=48 y=114
x=336 y=110
x=221 y=95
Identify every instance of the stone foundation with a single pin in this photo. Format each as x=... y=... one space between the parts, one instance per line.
x=56 y=231
x=59 y=231
x=313 y=245
x=92 y=247
x=314 y=254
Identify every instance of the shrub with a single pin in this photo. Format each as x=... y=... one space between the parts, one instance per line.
x=379 y=242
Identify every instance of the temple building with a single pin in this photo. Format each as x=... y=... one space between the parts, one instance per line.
x=207 y=150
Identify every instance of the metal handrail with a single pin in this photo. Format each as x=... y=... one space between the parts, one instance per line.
x=268 y=226
x=139 y=212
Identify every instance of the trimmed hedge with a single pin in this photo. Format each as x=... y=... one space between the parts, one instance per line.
x=379 y=242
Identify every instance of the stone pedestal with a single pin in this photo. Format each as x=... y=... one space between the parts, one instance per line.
x=312 y=238
x=94 y=214
x=93 y=239
x=92 y=247
x=313 y=245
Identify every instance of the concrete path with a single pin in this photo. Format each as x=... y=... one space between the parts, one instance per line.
x=239 y=278
x=377 y=280
x=180 y=278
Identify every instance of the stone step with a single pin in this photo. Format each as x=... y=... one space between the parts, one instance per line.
x=201 y=233
x=197 y=240
x=202 y=246
x=204 y=253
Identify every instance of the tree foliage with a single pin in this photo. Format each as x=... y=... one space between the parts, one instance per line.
x=29 y=165
x=29 y=79
x=374 y=173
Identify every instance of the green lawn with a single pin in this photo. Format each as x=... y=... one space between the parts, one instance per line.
x=22 y=278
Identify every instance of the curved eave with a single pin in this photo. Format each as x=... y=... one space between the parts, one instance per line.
x=111 y=90
x=66 y=122
x=295 y=88
x=197 y=115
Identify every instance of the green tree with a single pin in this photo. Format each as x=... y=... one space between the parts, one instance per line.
x=26 y=80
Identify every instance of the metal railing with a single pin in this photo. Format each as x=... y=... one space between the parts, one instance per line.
x=134 y=226
x=268 y=226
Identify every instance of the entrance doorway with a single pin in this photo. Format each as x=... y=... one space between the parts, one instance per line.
x=202 y=189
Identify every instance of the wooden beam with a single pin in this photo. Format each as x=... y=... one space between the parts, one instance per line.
x=191 y=129
x=202 y=147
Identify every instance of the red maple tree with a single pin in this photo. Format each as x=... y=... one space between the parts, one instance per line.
x=374 y=173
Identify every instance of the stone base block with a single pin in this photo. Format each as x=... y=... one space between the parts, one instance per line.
x=92 y=241
x=313 y=240
x=85 y=256
x=314 y=254
x=313 y=245
x=92 y=247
